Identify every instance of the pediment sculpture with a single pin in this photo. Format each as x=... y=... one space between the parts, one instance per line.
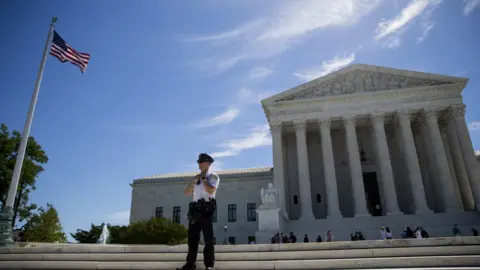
x=360 y=81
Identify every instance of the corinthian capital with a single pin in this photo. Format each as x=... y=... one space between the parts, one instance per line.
x=431 y=112
x=276 y=127
x=300 y=124
x=458 y=110
x=350 y=120
x=405 y=113
x=324 y=122
x=378 y=117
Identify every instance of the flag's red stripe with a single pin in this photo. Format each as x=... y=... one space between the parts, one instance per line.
x=76 y=59
x=67 y=57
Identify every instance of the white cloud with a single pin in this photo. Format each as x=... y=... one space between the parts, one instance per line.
x=259 y=73
x=427 y=24
x=392 y=29
x=285 y=26
x=120 y=218
x=474 y=126
x=327 y=67
x=392 y=42
x=258 y=137
x=470 y=5
x=224 y=118
x=247 y=96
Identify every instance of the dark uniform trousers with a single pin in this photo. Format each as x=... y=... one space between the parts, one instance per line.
x=201 y=220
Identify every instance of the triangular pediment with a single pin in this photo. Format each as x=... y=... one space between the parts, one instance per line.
x=359 y=78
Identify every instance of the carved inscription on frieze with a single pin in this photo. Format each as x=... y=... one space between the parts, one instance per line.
x=362 y=81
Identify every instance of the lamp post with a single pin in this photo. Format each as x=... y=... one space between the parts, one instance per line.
x=225 y=242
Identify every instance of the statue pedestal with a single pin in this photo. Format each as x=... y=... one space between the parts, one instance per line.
x=271 y=220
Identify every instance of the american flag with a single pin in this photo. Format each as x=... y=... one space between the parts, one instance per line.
x=65 y=52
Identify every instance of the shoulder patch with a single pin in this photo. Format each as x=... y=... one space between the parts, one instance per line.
x=214 y=176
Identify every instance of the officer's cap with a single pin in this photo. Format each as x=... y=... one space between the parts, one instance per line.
x=204 y=158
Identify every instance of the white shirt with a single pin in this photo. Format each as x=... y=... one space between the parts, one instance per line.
x=199 y=191
x=418 y=234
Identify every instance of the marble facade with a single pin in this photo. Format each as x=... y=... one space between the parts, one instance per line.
x=360 y=148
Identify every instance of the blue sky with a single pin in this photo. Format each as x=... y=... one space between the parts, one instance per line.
x=170 y=79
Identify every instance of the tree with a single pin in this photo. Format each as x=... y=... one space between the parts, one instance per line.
x=153 y=231
x=116 y=236
x=156 y=231
x=35 y=156
x=45 y=226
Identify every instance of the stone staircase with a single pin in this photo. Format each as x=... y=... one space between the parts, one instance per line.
x=433 y=253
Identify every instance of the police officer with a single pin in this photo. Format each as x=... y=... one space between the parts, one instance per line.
x=200 y=213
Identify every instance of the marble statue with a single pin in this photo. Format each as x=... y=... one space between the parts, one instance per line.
x=269 y=195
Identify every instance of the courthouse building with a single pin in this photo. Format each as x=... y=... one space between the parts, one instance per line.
x=357 y=149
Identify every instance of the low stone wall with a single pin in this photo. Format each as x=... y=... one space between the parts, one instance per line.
x=342 y=245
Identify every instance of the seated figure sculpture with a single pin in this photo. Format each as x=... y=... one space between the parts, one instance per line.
x=269 y=195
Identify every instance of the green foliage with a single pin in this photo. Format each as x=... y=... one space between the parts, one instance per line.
x=45 y=226
x=154 y=231
x=117 y=233
x=32 y=166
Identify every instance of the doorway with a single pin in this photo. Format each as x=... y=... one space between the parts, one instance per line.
x=372 y=194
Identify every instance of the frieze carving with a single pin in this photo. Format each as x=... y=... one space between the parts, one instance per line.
x=362 y=81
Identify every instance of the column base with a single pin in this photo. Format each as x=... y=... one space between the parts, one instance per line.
x=423 y=212
x=308 y=217
x=360 y=215
x=396 y=213
x=6 y=231
x=454 y=210
x=335 y=217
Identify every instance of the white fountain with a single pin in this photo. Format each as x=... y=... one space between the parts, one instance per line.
x=104 y=236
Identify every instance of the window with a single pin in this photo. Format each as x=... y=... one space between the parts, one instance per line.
x=214 y=218
x=158 y=212
x=251 y=213
x=176 y=214
x=251 y=239
x=295 y=199
x=231 y=240
x=319 y=198
x=232 y=213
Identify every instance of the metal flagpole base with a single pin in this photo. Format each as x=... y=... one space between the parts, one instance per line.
x=6 y=231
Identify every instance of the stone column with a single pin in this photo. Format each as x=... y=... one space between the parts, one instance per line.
x=467 y=151
x=278 y=163
x=356 y=175
x=306 y=212
x=458 y=162
x=333 y=209
x=413 y=166
x=386 y=175
x=448 y=196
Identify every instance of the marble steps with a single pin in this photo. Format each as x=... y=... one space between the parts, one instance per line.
x=425 y=262
x=251 y=256
x=411 y=253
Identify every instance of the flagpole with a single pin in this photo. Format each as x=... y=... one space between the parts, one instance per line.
x=6 y=216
